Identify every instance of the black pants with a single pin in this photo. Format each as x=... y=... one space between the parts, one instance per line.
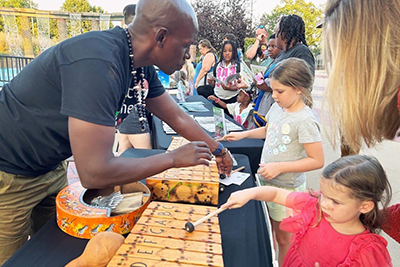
x=205 y=90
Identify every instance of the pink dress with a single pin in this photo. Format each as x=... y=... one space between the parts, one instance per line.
x=323 y=244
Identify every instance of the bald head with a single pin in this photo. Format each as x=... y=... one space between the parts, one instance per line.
x=171 y=14
x=162 y=33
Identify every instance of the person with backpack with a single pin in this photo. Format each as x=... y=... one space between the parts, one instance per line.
x=205 y=68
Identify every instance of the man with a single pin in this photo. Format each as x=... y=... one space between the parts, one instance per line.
x=130 y=132
x=65 y=102
x=257 y=52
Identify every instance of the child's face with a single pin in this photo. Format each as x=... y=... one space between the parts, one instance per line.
x=227 y=53
x=273 y=50
x=286 y=97
x=338 y=208
x=242 y=98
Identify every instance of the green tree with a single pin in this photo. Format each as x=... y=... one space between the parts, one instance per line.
x=307 y=10
x=18 y=3
x=218 y=18
x=15 y=4
x=78 y=6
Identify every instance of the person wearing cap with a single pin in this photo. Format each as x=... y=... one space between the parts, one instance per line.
x=242 y=110
x=257 y=52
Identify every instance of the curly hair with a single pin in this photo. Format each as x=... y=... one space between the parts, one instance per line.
x=292 y=28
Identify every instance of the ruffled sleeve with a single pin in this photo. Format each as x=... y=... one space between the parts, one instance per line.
x=304 y=212
x=368 y=250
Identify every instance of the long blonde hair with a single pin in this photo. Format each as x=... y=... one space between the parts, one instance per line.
x=361 y=47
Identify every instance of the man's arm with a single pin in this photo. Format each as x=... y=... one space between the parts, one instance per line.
x=98 y=168
x=167 y=110
x=251 y=52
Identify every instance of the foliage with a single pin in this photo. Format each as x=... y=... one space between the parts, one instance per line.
x=219 y=18
x=307 y=10
x=18 y=3
x=249 y=41
x=15 y=4
x=78 y=6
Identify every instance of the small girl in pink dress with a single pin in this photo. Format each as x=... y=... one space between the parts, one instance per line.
x=336 y=226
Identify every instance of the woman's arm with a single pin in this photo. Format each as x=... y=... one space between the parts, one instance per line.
x=207 y=63
x=313 y=161
x=264 y=87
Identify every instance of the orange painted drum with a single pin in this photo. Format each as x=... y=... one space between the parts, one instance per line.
x=79 y=219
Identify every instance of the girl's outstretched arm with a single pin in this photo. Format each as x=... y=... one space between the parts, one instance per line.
x=313 y=161
x=217 y=100
x=258 y=133
x=262 y=193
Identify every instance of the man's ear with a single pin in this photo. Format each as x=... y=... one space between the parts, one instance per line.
x=367 y=206
x=161 y=36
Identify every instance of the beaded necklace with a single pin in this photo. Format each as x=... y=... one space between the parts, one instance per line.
x=135 y=92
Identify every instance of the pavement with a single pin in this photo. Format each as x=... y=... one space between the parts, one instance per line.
x=387 y=152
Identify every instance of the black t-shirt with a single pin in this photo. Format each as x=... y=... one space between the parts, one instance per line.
x=85 y=77
x=298 y=51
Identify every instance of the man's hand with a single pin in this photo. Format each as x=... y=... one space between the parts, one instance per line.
x=225 y=164
x=270 y=170
x=191 y=154
x=259 y=37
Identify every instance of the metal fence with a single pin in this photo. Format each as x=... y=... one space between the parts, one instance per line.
x=10 y=66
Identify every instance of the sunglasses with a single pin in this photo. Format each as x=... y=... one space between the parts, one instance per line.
x=261 y=27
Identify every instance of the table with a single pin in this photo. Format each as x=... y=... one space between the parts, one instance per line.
x=252 y=148
x=244 y=233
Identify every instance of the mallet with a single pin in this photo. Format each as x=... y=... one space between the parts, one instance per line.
x=223 y=175
x=190 y=226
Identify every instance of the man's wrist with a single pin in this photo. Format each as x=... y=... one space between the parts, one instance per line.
x=218 y=150
x=222 y=153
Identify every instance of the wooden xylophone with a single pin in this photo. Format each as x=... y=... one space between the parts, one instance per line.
x=198 y=184
x=159 y=238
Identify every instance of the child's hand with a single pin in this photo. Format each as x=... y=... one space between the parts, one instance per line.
x=212 y=97
x=237 y=200
x=234 y=136
x=211 y=81
x=240 y=84
x=270 y=170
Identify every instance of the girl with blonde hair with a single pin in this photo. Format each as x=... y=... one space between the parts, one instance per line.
x=292 y=144
x=362 y=52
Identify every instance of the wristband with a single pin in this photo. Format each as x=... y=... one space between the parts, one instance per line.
x=218 y=150
x=223 y=153
x=217 y=100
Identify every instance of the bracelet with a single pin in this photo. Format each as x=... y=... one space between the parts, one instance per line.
x=217 y=100
x=218 y=150
x=223 y=153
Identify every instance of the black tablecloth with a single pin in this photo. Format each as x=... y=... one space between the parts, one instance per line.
x=244 y=233
x=252 y=148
